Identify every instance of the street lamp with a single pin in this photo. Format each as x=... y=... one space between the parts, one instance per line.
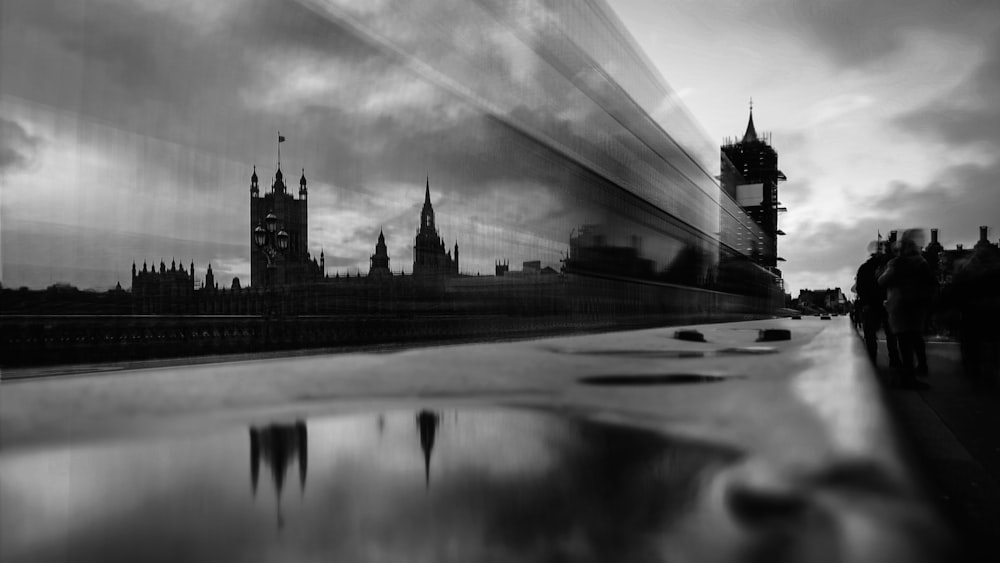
x=271 y=241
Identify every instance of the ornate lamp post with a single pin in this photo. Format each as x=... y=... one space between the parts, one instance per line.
x=272 y=241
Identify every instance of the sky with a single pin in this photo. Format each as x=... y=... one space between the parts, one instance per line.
x=129 y=128
x=884 y=113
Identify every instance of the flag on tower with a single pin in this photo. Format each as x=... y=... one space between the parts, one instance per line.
x=281 y=138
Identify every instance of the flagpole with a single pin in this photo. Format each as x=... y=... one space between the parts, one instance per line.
x=279 y=149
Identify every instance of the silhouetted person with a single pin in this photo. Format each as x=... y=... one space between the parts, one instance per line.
x=870 y=307
x=910 y=286
x=976 y=293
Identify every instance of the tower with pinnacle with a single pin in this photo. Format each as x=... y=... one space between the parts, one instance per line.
x=429 y=255
x=292 y=266
x=379 y=262
x=750 y=175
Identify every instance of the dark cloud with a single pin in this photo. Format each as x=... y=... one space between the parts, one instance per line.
x=161 y=74
x=18 y=148
x=178 y=97
x=956 y=203
x=962 y=198
x=862 y=32
x=969 y=112
x=826 y=246
x=193 y=83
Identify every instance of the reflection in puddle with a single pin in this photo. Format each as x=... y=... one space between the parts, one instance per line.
x=401 y=485
x=427 y=423
x=278 y=445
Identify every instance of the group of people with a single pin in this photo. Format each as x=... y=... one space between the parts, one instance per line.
x=896 y=289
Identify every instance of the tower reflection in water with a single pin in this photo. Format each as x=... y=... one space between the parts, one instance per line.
x=530 y=485
x=278 y=446
x=427 y=425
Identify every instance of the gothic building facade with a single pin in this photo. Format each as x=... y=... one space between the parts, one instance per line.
x=163 y=291
x=274 y=216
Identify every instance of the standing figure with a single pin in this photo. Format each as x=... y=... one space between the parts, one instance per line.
x=976 y=292
x=910 y=287
x=870 y=307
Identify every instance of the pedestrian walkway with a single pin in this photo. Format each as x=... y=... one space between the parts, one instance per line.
x=954 y=433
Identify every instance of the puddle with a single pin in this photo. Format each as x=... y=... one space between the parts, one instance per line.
x=407 y=485
x=752 y=350
x=672 y=354
x=644 y=353
x=665 y=379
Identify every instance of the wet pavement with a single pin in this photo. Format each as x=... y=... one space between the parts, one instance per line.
x=484 y=484
x=629 y=446
x=953 y=429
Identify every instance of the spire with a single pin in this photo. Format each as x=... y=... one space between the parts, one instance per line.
x=751 y=135
x=427 y=213
x=302 y=180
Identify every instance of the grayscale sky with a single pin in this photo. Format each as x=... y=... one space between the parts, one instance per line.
x=128 y=128
x=885 y=113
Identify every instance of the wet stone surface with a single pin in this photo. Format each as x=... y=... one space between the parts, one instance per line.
x=413 y=484
x=626 y=380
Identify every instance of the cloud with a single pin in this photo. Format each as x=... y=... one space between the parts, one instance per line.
x=860 y=33
x=959 y=200
x=956 y=202
x=817 y=252
x=18 y=148
x=157 y=111
x=836 y=107
x=966 y=114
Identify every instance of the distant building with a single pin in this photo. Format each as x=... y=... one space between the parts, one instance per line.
x=591 y=252
x=379 y=262
x=429 y=255
x=163 y=291
x=830 y=300
x=210 y=285
x=750 y=175
x=528 y=268
x=946 y=262
x=501 y=267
